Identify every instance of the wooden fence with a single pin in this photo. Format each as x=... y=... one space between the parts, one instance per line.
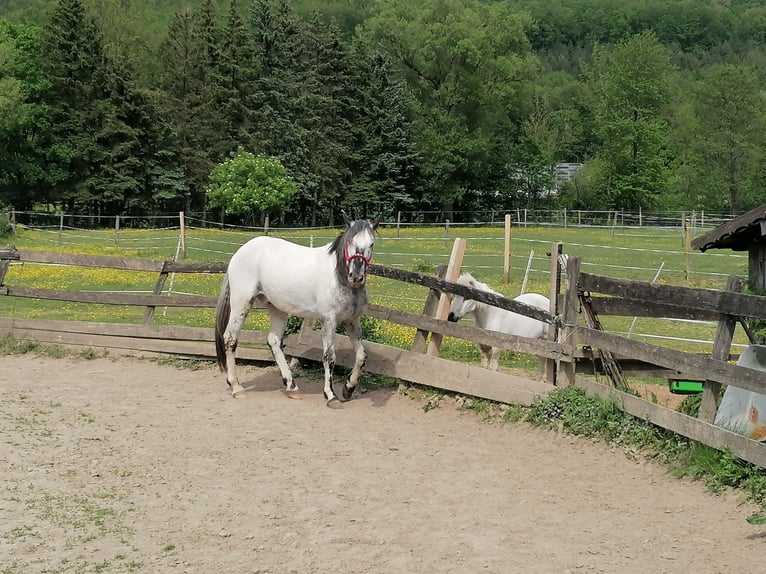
x=573 y=351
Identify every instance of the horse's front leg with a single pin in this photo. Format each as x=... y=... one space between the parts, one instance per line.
x=485 y=352
x=328 y=360
x=354 y=332
x=277 y=326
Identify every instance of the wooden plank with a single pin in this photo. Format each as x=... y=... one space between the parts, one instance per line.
x=549 y=368
x=695 y=366
x=426 y=370
x=79 y=260
x=721 y=347
x=187 y=267
x=592 y=366
x=140 y=300
x=617 y=306
x=200 y=349
x=571 y=305
x=540 y=347
x=705 y=433
x=756 y=264
x=442 y=309
x=169 y=332
x=429 y=308
x=9 y=253
x=705 y=299
x=449 y=287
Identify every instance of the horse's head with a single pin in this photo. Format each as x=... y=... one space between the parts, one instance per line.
x=460 y=305
x=354 y=249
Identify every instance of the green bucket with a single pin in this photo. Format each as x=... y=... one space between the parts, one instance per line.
x=685 y=387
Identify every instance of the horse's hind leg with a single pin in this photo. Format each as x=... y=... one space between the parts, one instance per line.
x=239 y=311
x=354 y=332
x=277 y=327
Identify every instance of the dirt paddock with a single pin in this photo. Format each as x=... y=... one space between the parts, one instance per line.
x=125 y=465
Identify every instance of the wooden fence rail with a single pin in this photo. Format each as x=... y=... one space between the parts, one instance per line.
x=569 y=350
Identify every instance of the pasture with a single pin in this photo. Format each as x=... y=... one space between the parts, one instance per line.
x=639 y=253
x=129 y=466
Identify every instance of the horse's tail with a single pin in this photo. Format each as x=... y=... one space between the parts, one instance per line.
x=222 y=313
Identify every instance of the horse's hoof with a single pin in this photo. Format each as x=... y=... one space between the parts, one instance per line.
x=347 y=393
x=335 y=403
x=237 y=391
x=296 y=394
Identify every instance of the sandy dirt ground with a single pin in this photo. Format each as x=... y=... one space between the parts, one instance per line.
x=125 y=465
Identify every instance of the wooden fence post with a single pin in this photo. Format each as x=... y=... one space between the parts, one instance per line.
x=721 y=347
x=182 y=226
x=432 y=301
x=565 y=375
x=687 y=250
x=149 y=313
x=507 y=251
x=117 y=231
x=550 y=365
x=442 y=310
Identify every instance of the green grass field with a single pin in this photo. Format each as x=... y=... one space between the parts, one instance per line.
x=632 y=253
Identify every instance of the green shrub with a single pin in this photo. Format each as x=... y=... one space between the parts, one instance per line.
x=6 y=229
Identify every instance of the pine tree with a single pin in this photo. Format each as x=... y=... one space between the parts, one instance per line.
x=237 y=70
x=384 y=155
x=276 y=93
x=75 y=66
x=190 y=104
x=327 y=116
x=140 y=175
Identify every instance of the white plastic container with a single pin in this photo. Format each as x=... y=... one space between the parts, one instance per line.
x=742 y=411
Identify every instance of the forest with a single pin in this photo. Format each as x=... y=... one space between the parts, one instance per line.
x=451 y=107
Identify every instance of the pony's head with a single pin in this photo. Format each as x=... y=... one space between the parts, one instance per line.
x=460 y=305
x=353 y=249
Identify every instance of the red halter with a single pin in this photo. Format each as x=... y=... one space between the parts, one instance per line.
x=350 y=258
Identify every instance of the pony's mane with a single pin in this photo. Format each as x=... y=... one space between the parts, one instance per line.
x=470 y=281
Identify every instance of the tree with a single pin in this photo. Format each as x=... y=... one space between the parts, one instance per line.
x=191 y=102
x=75 y=66
x=326 y=117
x=631 y=86
x=141 y=172
x=467 y=64
x=732 y=115
x=237 y=71
x=383 y=158
x=278 y=104
x=250 y=184
x=29 y=162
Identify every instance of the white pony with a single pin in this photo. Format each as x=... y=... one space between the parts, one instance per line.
x=315 y=283
x=496 y=319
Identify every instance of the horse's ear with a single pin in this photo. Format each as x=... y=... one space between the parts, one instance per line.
x=346 y=218
x=376 y=222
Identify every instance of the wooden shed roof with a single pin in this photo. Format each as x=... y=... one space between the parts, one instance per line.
x=738 y=234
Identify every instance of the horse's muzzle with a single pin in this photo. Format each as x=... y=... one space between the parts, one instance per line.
x=356 y=281
x=452 y=318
